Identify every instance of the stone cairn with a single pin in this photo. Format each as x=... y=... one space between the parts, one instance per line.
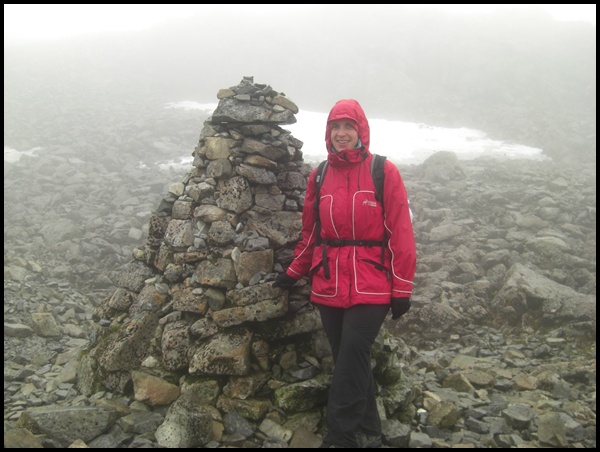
x=194 y=313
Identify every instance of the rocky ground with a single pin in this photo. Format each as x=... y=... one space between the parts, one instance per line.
x=499 y=349
x=492 y=388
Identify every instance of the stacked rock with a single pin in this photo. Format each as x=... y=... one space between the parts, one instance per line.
x=196 y=307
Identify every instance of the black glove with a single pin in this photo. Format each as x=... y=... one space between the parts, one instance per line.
x=284 y=281
x=400 y=306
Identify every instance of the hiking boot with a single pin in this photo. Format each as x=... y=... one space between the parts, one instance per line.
x=368 y=441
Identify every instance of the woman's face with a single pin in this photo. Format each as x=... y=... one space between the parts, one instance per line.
x=343 y=135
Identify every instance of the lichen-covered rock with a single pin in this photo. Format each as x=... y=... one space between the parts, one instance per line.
x=186 y=425
x=67 y=424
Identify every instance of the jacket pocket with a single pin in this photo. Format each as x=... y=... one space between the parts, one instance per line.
x=372 y=277
x=380 y=267
x=322 y=286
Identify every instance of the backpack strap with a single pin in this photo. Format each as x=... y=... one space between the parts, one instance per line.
x=320 y=175
x=318 y=182
x=377 y=164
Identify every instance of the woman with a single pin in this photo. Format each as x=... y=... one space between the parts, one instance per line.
x=361 y=259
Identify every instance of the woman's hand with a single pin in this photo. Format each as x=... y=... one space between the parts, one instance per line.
x=400 y=306
x=284 y=281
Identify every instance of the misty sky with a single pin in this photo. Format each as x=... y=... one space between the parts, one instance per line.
x=409 y=69
x=49 y=21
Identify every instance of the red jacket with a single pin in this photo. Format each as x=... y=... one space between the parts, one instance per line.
x=348 y=211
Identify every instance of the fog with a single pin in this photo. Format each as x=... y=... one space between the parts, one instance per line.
x=516 y=74
x=51 y=21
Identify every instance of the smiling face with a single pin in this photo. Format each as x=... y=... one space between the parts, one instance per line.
x=343 y=135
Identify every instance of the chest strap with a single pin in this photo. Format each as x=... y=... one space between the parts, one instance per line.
x=340 y=242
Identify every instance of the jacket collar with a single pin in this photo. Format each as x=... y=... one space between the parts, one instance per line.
x=347 y=157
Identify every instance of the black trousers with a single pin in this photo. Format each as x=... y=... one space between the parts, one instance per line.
x=351 y=405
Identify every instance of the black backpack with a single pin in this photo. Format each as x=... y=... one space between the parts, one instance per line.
x=377 y=163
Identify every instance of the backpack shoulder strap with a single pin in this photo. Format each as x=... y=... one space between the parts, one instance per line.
x=318 y=182
x=377 y=164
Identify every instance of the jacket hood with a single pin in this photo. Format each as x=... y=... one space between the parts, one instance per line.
x=351 y=110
